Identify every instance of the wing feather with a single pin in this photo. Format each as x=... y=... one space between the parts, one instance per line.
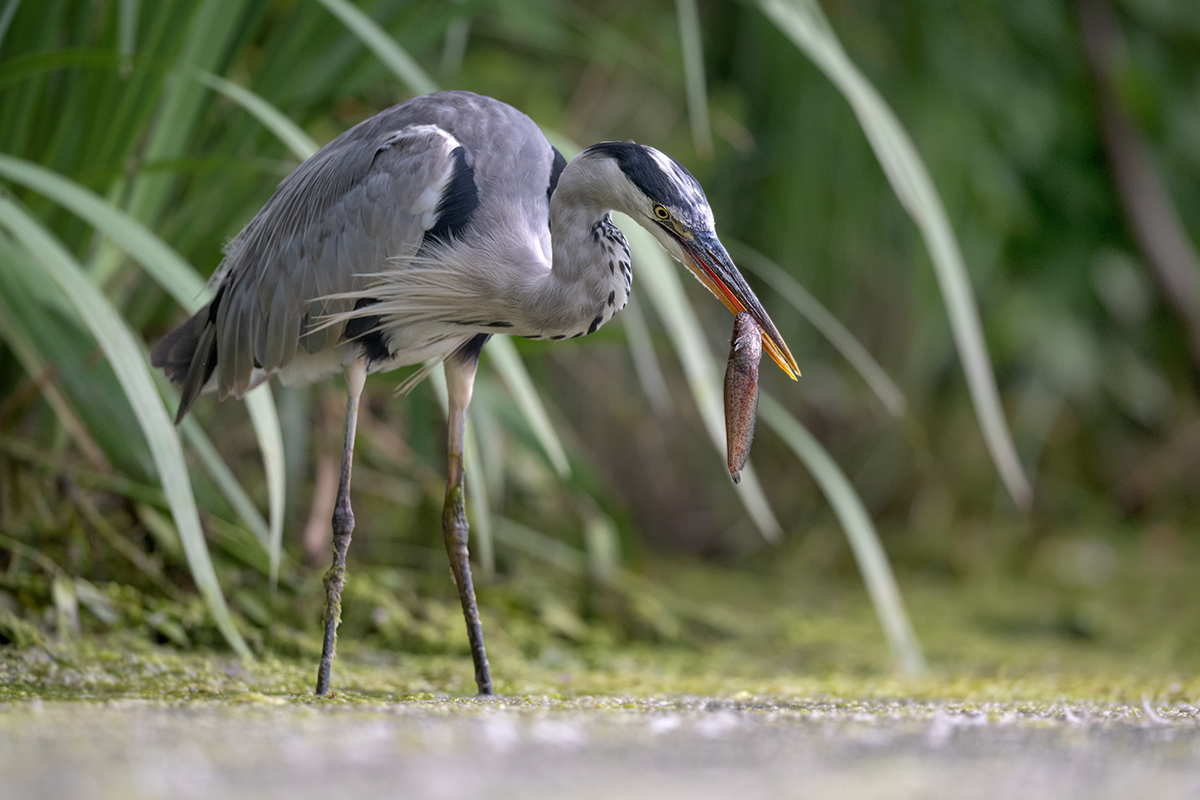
x=271 y=346
x=355 y=213
x=357 y=208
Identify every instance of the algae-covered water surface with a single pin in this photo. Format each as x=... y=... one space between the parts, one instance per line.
x=259 y=746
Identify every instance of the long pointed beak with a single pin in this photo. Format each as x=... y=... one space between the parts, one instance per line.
x=710 y=263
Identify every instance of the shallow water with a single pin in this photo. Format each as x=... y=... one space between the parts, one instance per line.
x=529 y=748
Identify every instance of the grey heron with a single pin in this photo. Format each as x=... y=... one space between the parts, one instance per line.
x=411 y=239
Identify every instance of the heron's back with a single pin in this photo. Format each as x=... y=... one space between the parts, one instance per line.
x=443 y=168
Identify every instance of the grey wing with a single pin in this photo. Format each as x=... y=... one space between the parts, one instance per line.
x=359 y=206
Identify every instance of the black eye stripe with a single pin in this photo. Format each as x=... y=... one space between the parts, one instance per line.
x=645 y=172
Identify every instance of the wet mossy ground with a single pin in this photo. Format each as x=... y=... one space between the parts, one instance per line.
x=113 y=670
x=770 y=628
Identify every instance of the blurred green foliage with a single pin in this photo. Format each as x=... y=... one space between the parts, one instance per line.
x=1094 y=368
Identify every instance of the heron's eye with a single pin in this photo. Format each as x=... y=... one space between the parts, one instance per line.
x=661 y=212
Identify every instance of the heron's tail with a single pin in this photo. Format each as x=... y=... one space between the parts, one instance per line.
x=188 y=356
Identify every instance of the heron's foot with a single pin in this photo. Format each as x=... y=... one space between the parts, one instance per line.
x=335 y=583
x=454 y=529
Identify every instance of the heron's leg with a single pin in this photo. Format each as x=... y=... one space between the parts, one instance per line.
x=460 y=377
x=343 y=526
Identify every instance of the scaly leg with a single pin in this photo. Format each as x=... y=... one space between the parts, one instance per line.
x=460 y=377
x=343 y=526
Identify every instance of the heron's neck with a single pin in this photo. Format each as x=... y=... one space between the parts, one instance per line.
x=590 y=279
x=588 y=249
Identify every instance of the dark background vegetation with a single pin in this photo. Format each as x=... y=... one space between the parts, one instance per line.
x=1053 y=159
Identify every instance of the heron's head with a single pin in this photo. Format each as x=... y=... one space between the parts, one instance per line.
x=664 y=198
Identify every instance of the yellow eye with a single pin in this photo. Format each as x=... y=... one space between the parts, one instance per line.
x=661 y=212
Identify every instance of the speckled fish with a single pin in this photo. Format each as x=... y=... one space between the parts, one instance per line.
x=741 y=391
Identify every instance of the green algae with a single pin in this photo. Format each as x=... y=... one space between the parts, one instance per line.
x=744 y=670
x=790 y=625
x=105 y=675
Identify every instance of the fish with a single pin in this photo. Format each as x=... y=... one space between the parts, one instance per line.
x=741 y=391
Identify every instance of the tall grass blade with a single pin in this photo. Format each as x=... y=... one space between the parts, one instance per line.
x=803 y=22
x=27 y=354
x=826 y=323
x=454 y=47
x=163 y=264
x=292 y=135
x=665 y=290
x=6 y=18
x=508 y=364
x=693 y=72
x=542 y=547
x=214 y=24
x=127 y=19
x=41 y=315
x=645 y=362
x=260 y=404
x=860 y=532
x=124 y=354
x=224 y=478
x=178 y=279
x=34 y=366
x=377 y=40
